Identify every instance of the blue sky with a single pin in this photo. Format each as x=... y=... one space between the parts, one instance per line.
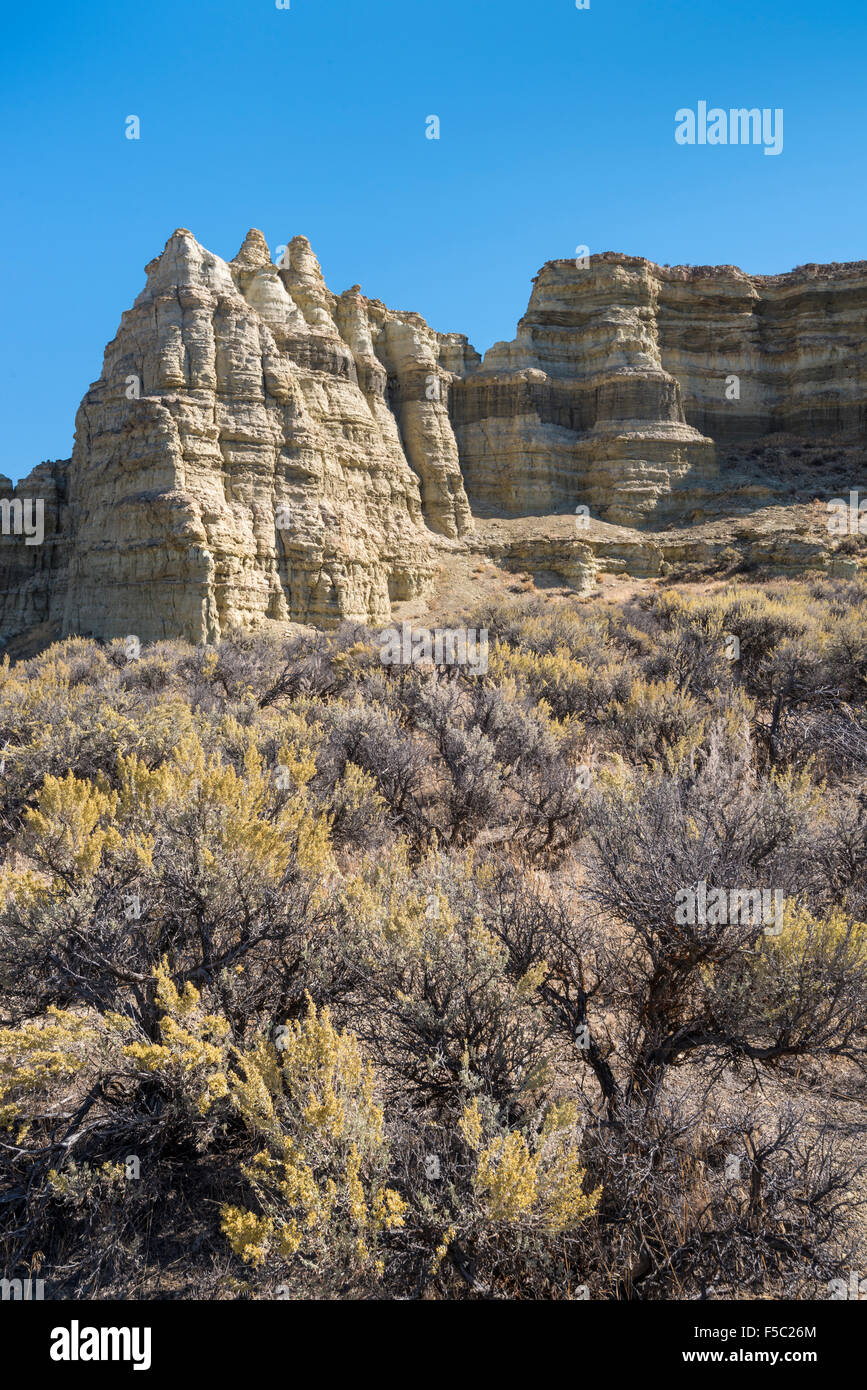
x=557 y=130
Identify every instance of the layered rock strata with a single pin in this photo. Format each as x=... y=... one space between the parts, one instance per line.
x=628 y=383
x=247 y=455
x=260 y=449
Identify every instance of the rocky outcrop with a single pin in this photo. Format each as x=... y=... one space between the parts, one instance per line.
x=628 y=384
x=248 y=454
x=34 y=548
x=579 y=410
x=258 y=448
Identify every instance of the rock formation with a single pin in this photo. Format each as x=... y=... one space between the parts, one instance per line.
x=238 y=459
x=258 y=448
x=627 y=381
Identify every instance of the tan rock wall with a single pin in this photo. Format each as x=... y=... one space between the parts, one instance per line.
x=257 y=448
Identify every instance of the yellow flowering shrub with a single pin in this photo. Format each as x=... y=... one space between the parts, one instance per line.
x=320 y=1176
x=40 y=1055
x=307 y=1101
x=657 y=722
x=244 y=819
x=524 y=1180
x=562 y=683
x=808 y=936
x=811 y=954
x=194 y=1043
x=71 y=827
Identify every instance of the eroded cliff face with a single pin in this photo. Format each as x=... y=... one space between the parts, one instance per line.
x=629 y=384
x=579 y=408
x=239 y=459
x=258 y=448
